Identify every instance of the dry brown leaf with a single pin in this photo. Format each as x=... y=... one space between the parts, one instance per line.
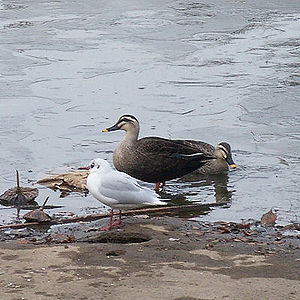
x=62 y=238
x=29 y=193
x=268 y=218
x=37 y=215
x=241 y=226
x=18 y=195
x=69 y=182
x=241 y=239
x=223 y=229
x=292 y=226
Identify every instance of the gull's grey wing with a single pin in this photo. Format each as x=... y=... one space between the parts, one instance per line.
x=124 y=189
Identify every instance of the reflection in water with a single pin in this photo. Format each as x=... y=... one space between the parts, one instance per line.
x=220 y=184
x=197 y=182
x=218 y=181
x=185 y=212
x=19 y=205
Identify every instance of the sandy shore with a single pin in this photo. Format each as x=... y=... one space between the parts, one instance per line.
x=159 y=258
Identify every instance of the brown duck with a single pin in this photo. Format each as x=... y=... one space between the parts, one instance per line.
x=223 y=157
x=154 y=159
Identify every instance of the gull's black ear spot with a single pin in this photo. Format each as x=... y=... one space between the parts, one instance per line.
x=98 y=167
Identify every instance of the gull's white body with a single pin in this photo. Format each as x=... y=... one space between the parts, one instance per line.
x=117 y=189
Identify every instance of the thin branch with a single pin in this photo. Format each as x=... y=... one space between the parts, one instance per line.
x=157 y=210
x=44 y=204
x=18 y=180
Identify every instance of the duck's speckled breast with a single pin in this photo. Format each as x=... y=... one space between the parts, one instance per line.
x=215 y=166
x=122 y=157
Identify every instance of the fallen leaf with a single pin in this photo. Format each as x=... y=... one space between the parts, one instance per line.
x=19 y=195
x=241 y=225
x=279 y=242
x=241 y=239
x=223 y=229
x=245 y=232
x=62 y=238
x=268 y=218
x=256 y=243
x=70 y=182
x=292 y=226
x=37 y=215
x=250 y=232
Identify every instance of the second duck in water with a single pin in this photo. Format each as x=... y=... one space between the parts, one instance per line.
x=154 y=159
x=223 y=157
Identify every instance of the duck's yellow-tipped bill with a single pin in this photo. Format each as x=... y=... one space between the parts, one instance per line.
x=104 y=130
x=233 y=166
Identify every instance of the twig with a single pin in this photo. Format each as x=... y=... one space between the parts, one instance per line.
x=44 y=204
x=18 y=182
x=190 y=207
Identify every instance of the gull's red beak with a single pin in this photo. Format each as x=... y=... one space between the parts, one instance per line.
x=83 y=168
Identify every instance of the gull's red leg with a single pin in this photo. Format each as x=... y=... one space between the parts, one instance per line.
x=110 y=224
x=119 y=222
x=157 y=185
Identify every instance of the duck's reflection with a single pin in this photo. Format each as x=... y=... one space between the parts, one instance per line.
x=218 y=181
x=197 y=182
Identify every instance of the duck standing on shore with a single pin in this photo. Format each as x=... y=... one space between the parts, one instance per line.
x=117 y=190
x=153 y=159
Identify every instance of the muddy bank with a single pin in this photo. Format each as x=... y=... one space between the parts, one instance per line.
x=154 y=258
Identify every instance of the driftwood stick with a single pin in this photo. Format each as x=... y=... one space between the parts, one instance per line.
x=18 y=179
x=190 y=207
x=44 y=204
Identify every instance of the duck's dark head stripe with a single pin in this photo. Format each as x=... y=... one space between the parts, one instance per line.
x=222 y=148
x=121 y=122
x=128 y=118
x=225 y=147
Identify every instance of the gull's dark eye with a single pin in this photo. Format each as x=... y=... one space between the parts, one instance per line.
x=92 y=165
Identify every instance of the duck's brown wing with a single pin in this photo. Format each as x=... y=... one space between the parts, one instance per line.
x=169 y=148
x=159 y=159
x=200 y=146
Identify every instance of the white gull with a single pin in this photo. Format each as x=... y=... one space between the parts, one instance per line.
x=117 y=190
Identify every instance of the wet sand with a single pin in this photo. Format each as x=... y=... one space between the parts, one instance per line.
x=177 y=259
